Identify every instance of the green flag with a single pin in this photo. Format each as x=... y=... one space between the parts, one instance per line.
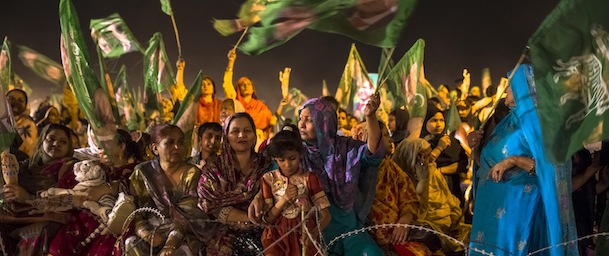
x=5 y=65
x=92 y=99
x=166 y=7
x=158 y=75
x=295 y=100
x=570 y=58
x=452 y=117
x=127 y=102
x=373 y=22
x=248 y=15
x=403 y=82
x=42 y=65
x=187 y=113
x=113 y=36
x=406 y=85
x=7 y=123
x=355 y=85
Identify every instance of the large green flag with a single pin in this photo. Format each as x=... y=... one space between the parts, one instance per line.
x=247 y=16
x=7 y=121
x=92 y=98
x=374 y=22
x=113 y=36
x=127 y=102
x=570 y=58
x=187 y=113
x=355 y=85
x=5 y=65
x=158 y=74
x=166 y=7
x=408 y=88
x=42 y=65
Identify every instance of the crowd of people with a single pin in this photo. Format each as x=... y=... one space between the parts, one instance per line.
x=257 y=181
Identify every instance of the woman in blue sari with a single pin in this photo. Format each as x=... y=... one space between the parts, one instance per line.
x=522 y=201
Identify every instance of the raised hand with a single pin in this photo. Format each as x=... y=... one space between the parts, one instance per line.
x=373 y=104
x=232 y=55
x=284 y=78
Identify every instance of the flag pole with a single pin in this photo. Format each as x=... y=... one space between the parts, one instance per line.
x=175 y=30
x=241 y=38
x=379 y=83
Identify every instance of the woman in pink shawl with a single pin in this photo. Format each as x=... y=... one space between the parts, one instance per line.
x=227 y=186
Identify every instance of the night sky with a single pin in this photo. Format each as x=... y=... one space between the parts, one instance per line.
x=459 y=34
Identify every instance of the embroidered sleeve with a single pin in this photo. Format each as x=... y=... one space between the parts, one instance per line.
x=316 y=192
x=267 y=190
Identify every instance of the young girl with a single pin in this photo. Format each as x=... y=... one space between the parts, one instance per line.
x=285 y=191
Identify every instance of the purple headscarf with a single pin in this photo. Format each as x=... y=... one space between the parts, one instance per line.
x=336 y=161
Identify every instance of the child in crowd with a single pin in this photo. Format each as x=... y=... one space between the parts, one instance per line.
x=287 y=191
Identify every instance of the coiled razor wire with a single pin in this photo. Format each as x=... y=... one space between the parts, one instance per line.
x=128 y=222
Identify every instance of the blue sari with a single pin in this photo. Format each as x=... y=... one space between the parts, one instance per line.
x=522 y=213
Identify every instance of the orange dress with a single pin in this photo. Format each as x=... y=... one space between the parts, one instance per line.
x=258 y=110
x=209 y=111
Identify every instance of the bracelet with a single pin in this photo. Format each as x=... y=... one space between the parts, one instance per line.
x=532 y=169
x=177 y=234
x=223 y=214
x=170 y=247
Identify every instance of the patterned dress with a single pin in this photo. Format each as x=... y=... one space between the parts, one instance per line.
x=310 y=193
x=395 y=197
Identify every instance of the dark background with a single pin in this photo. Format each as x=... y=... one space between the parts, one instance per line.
x=459 y=34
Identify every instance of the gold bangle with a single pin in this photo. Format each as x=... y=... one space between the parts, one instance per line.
x=170 y=247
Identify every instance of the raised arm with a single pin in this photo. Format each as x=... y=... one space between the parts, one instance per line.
x=374 y=131
x=227 y=84
x=178 y=91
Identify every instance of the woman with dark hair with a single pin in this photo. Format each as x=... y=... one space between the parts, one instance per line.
x=50 y=166
x=24 y=124
x=83 y=223
x=46 y=115
x=398 y=125
x=227 y=186
x=447 y=153
x=167 y=183
x=246 y=94
x=209 y=105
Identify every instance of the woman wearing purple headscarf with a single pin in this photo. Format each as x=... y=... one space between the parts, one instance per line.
x=348 y=170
